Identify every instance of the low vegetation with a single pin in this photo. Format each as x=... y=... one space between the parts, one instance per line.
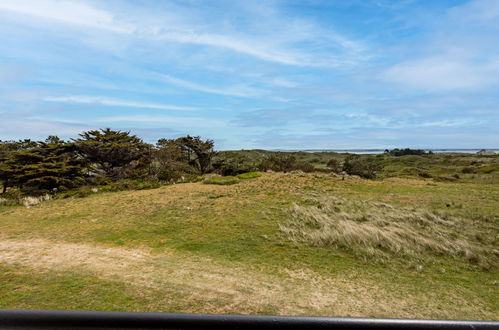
x=221 y=180
x=249 y=175
x=109 y=222
x=383 y=231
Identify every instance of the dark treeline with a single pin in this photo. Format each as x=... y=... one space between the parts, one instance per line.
x=99 y=156
x=406 y=152
x=105 y=156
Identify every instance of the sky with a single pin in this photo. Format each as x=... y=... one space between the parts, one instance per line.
x=271 y=74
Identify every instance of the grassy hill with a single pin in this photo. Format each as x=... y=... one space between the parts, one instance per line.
x=291 y=244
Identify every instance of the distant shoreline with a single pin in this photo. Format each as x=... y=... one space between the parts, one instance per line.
x=380 y=151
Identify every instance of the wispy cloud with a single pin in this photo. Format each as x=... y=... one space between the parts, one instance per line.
x=274 y=46
x=178 y=121
x=67 y=12
x=240 y=91
x=114 y=102
x=315 y=72
x=461 y=53
x=441 y=73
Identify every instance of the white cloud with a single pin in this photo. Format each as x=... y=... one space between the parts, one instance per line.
x=274 y=41
x=460 y=53
x=441 y=73
x=240 y=91
x=67 y=12
x=178 y=121
x=113 y=102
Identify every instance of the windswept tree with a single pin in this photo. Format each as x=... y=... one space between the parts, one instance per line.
x=44 y=166
x=197 y=152
x=170 y=161
x=115 y=153
x=8 y=168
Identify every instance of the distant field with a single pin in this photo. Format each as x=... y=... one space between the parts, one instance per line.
x=254 y=247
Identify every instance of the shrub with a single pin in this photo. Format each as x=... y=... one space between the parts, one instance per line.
x=280 y=162
x=233 y=165
x=249 y=175
x=335 y=165
x=365 y=167
x=468 y=170
x=222 y=180
x=489 y=169
x=404 y=152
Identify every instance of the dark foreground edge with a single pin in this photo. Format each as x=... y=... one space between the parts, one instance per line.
x=36 y=319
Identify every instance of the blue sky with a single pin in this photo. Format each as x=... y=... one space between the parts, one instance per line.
x=254 y=74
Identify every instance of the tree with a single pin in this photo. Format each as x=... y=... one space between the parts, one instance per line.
x=170 y=161
x=44 y=166
x=8 y=168
x=197 y=152
x=404 y=152
x=114 y=152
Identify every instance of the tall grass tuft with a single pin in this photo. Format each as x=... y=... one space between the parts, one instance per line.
x=380 y=231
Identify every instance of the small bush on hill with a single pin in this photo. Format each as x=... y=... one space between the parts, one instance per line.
x=334 y=165
x=280 y=162
x=234 y=164
x=365 y=167
x=468 y=170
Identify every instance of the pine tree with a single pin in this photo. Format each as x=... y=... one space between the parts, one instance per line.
x=8 y=169
x=51 y=165
x=113 y=152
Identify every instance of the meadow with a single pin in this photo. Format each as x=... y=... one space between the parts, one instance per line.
x=420 y=241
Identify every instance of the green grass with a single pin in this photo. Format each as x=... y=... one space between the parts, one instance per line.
x=222 y=180
x=249 y=175
x=233 y=231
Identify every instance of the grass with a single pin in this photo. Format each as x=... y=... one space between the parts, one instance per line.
x=249 y=175
x=221 y=180
x=381 y=231
x=212 y=248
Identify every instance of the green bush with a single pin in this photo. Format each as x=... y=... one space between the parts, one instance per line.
x=468 y=170
x=365 y=167
x=249 y=175
x=488 y=169
x=222 y=180
x=335 y=165
x=281 y=162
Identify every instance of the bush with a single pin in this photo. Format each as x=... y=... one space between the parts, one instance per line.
x=404 y=152
x=489 y=169
x=334 y=165
x=222 y=180
x=283 y=163
x=234 y=165
x=468 y=170
x=365 y=167
x=249 y=175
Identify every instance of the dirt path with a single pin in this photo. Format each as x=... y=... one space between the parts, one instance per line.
x=223 y=288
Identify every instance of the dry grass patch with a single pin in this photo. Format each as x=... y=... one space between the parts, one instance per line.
x=202 y=283
x=380 y=230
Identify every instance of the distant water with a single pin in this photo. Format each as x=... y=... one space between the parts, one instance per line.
x=380 y=151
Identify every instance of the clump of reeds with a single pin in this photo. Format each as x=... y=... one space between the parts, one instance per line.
x=381 y=231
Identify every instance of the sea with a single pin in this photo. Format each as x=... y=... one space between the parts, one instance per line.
x=380 y=151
